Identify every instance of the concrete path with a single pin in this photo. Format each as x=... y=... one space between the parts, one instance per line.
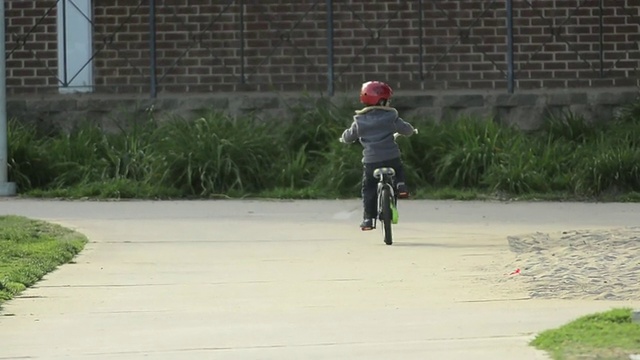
x=290 y=280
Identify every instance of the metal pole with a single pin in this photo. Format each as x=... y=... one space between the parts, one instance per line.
x=65 y=66
x=420 y=38
x=242 y=77
x=6 y=188
x=152 y=49
x=330 y=66
x=601 y=38
x=510 y=66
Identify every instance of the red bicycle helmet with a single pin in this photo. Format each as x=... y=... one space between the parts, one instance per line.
x=374 y=91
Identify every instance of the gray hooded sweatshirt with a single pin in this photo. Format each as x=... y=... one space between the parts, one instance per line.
x=374 y=126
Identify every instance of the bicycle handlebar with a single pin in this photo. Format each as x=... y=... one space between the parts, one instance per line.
x=395 y=136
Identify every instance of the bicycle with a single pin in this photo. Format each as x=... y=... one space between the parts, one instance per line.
x=387 y=199
x=387 y=202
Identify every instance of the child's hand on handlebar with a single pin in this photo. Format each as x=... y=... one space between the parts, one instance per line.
x=397 y=135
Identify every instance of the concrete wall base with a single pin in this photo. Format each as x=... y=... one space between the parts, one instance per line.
x=526 y=111
x=7 y=189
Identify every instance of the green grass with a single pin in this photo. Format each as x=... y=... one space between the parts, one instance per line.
x=608 y=335
x=29 y=249
x=216 y=155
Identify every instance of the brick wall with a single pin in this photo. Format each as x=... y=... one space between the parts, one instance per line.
x=558 y=43
x=453 y=45
x=31 y=41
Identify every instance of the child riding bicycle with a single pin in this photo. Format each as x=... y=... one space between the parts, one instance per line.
x=376 y=126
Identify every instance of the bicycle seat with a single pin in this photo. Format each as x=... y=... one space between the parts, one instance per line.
x=378 y=173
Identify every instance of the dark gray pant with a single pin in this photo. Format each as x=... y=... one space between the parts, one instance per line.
x=370 y=184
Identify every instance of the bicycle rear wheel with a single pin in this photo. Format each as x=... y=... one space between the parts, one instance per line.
x=386 y=215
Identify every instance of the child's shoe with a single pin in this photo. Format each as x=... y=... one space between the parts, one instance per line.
x=367 y=224
x=403 y=192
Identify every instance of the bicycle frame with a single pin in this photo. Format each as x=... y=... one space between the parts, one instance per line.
x=385 y=180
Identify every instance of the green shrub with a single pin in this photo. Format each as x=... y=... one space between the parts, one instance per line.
x=569 y=126
x=421 y=153
x=610 y=166
x=466 y=149
x=309 y=137
x=217 y=154
x=80 y=156
x=316 y=128
x=28 y=159
x=529 y=165
x=221 y=155
x=341 y=171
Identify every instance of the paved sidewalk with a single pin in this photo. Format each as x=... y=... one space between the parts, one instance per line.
x=290 y=280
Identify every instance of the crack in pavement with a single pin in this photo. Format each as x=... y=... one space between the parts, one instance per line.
x=325 y=344
x=181 y=284
x=493 y=300
x=205 y=241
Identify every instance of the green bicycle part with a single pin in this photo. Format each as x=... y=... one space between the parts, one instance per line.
x=394 y=214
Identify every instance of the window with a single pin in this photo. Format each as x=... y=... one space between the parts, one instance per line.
x=75 y=66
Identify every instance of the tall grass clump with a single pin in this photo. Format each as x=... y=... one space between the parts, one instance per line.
x=28 y=156
x=609 y=166
x=318 y=126
x=218 y=154
x=80 y=157
x=548 y=160
x=340 y=170
x=570 y=127
x=531 y=165
x=419 y=153
x=465 y=149
x=130 y=152
x=310 y=136
x=332 y=168
x=87 y=159
x=610 y=162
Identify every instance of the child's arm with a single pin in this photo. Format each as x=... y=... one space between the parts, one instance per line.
x=403 y=127
x=350 y=135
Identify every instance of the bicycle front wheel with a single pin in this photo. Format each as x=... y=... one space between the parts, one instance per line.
x=386 y=215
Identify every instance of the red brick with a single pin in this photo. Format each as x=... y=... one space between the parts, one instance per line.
x=470 y=76
x=626 y=81
x=529 y=84
x=577 y=83
x=602 y=82
x=554 y=83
